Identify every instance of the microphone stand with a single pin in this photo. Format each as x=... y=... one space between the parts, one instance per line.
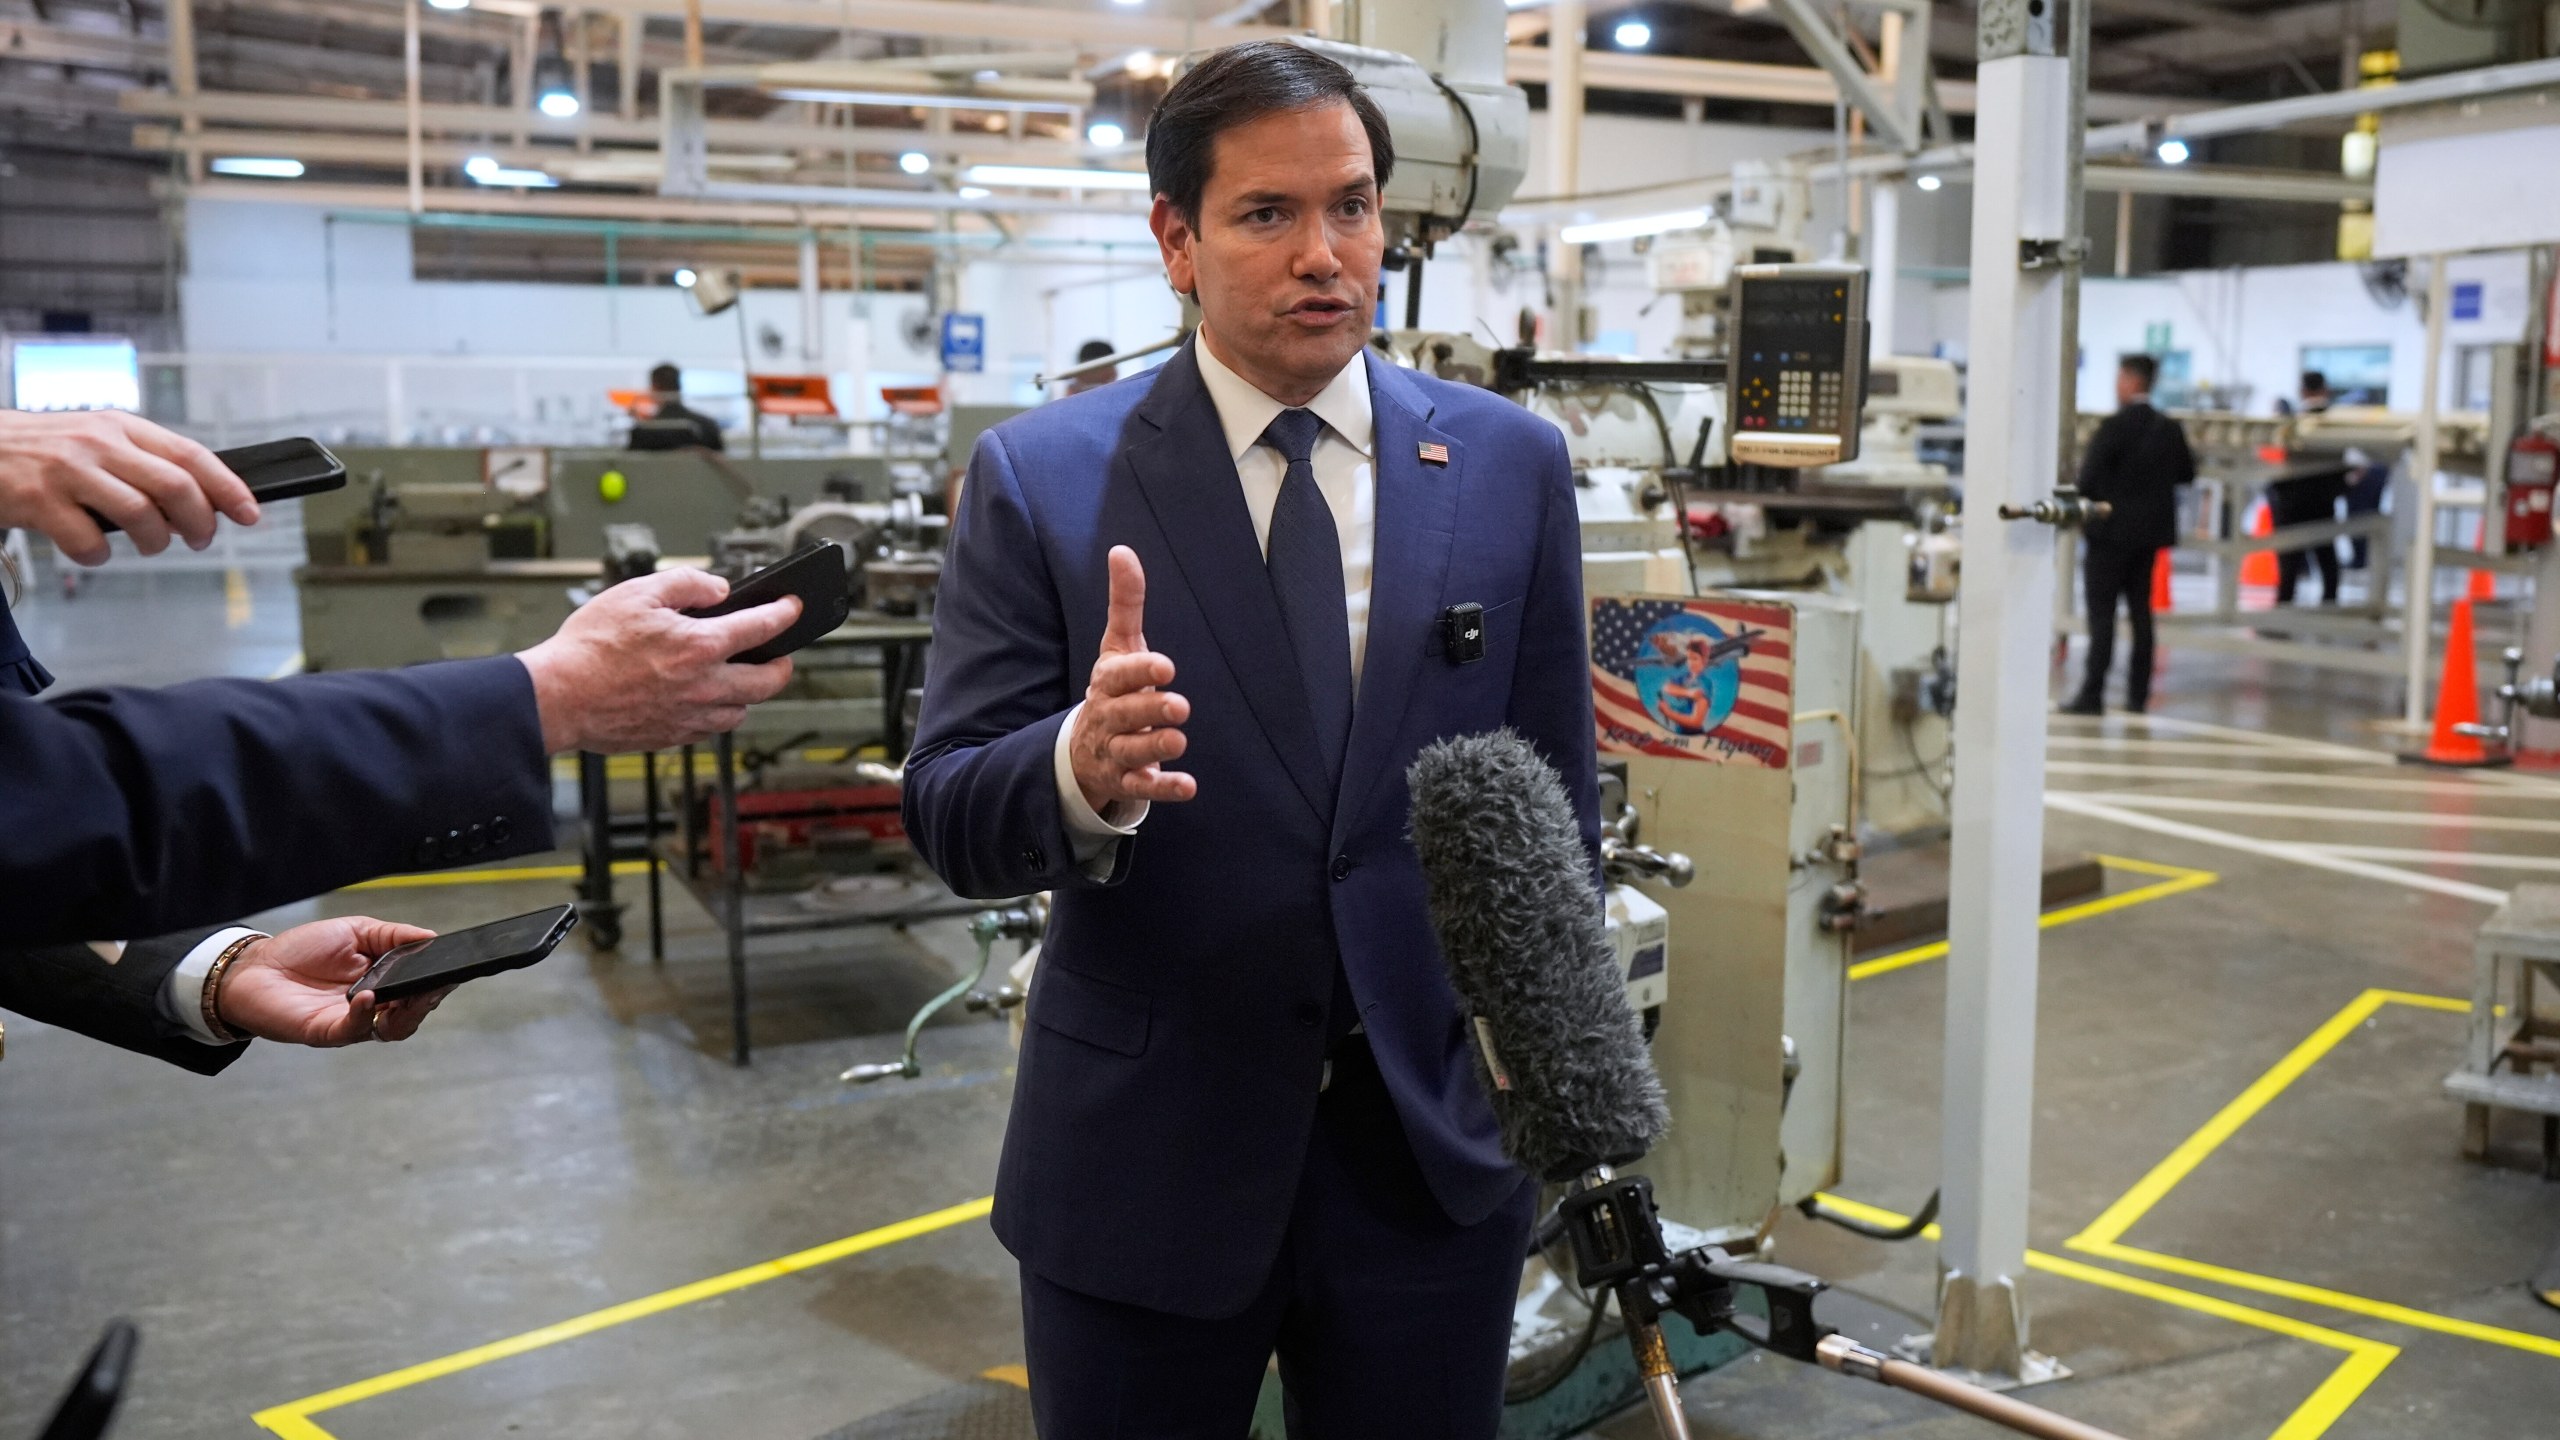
x=1619 y=1247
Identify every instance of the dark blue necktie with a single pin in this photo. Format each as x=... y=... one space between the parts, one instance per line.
x=1305 y=559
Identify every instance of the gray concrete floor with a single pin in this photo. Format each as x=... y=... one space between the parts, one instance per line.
x=572 y=1137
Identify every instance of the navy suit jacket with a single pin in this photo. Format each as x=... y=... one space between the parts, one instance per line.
x=1168 y=1080
x=114 y=1001
x=135 y=812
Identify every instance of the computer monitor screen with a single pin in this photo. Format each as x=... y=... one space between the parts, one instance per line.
x=87 y=372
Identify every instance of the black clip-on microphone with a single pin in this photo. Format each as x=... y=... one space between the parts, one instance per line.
x=1563 y=1057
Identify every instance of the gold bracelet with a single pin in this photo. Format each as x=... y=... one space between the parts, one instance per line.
x=212 y=993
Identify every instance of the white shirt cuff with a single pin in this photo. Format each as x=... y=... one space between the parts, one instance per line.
x=182 y=994
x=1093 y=835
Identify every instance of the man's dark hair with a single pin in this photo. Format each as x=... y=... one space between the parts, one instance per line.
x=1236 y=86
x=2142 y=367
x=667 y=379
x=1093 y=350
x=2314 y=383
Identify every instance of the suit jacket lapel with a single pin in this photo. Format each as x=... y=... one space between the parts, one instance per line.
x=1190 y=484
x=1417 y=524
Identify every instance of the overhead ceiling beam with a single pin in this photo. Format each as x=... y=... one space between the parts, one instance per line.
x=481 y=201
x=2300 y=30
x=1778 y=84
x=307 y=113
x=957 y=20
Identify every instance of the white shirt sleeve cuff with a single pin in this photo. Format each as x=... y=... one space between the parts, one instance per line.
x=1124 y=815
x=182 y=994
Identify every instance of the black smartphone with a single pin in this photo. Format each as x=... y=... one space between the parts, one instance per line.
x=274 y=470
x=817 y=575
x=91 y=1403
x=490 y=949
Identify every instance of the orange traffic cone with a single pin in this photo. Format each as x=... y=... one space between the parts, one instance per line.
x=2259 y=566
x=2458 y=701
x=2484 y=585
x=2160 y=583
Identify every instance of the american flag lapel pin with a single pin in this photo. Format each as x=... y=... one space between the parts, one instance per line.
x=1434 y=454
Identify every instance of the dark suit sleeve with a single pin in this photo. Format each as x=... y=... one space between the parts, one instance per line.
x=981 y=798
x=1551 y=683
x=76 y=988
x=131 y=810
x=2102 y=465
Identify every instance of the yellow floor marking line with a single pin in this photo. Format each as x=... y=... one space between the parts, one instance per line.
x=2365 y=1362
x=1017 y=1376
x=493 y=877
x=293 y=1421
x=2178 y=880
x=2104 y=1236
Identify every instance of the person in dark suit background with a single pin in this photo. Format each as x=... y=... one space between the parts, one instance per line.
x=1247 y=1118
x=673 y=425
x=196 y=999
x=131 y=811
x=2310 y=498
x=2136 y=462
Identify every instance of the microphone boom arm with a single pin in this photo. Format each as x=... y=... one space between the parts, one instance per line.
x=1619 y=1247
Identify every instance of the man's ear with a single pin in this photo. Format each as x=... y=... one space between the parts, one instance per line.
x=1174 y=238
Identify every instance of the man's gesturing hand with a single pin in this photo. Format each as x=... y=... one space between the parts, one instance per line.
x=1129 y=727
x=57 y=468
x=628 y=671
x=292 y=987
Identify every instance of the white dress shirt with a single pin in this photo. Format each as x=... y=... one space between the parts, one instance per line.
x=1346 y=473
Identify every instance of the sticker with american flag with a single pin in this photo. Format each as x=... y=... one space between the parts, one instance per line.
x=1695 y=679
x=1434 y=454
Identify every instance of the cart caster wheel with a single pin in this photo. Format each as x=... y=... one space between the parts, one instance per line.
x=607 y=934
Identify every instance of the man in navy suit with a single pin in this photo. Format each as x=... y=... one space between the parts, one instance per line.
x=1246 y=1119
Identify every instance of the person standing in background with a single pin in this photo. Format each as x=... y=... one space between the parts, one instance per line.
x=1092 y=350
x=2136 y=462
x=2309 y=499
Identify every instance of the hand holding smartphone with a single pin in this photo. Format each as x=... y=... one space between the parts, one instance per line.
x=460 y=955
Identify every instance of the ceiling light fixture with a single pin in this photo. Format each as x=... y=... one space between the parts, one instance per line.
x=1056 y=177
x=485 y=170
x=1634 y=34
x=2174 y=152
x=262 y=167
x=1596 y=231
x=915 y=162
x=1105 y=133
x=685 y=278
x=555 y=92
x=449 y=4
x=1929 y=182
x=975 y=192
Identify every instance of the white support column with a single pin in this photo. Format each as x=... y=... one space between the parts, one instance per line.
x=813 y=347
x=1564 y=161
x=627 y=30
x=417 y=145
x=2006 y=620
x=1884 y=265
x=2418 y=608
x=182 y=74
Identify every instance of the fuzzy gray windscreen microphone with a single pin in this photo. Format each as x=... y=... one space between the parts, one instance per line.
x=1561 y=1051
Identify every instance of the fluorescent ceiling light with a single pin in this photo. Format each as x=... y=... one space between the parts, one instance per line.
x=2174 y=152
x=1053 y=177
x=1597 y=231
x=263 y=167
x=1634 y=34
x=449 y=4
x=975 y=192
x=1929 y=182
x=915 y=162
x=1105 y=133
x=1128 y=2
x=487 y=171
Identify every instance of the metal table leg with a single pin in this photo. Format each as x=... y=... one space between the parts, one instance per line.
x=734 y=913
x=657 y=912
x=692 y=841
x=595 y=887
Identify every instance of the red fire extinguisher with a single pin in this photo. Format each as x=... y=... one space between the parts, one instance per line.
x=2533 y=466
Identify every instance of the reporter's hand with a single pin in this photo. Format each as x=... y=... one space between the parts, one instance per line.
x=628 y=672
x=293 y=987
x=1129 y=727
x=57 y=467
